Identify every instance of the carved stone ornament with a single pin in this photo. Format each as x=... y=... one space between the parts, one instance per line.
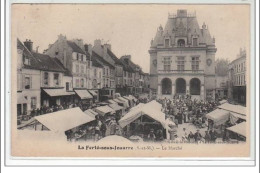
x=155 y=62
x=209 y=62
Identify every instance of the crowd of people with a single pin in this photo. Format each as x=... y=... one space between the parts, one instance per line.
x=182 y=109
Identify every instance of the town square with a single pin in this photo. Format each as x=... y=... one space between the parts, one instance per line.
x=84 y=92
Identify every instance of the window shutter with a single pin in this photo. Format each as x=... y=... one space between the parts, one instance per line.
x=31 y=82
x=23 y=81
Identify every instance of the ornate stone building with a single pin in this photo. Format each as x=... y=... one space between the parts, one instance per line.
x=182 y=58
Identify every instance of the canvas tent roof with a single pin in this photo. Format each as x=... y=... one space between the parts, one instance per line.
x=155 y=104
x=64 y=120
x=104 y=109
x=239 y=128
x=112 y=101
x=89 y=113
x=83 y=94
x=143 y=110
x=126 y=105
x=58 y=92
x=137 y=106
x=124 y=100
x=238 y=115
x=116 y=107
x=133 y=97
x=219 y=116
x=223 y=101
x=233 y=108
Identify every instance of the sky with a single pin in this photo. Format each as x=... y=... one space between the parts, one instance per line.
x=128 y=28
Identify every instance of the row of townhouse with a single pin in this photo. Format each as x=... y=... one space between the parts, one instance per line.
x=69 y=72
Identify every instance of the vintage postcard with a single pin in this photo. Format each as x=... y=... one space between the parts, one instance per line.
x=131 y=80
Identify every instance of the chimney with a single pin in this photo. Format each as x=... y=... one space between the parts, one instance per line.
x=37 y=48
x=28 y=44
x=88 y=48
x=108 y=46
x=61 y=37
x=79 y=42
x=97 y=42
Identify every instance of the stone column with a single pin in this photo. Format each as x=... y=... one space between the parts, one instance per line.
x=159 y=90
x=187 y=89
x=202 y=95
x=173 y=89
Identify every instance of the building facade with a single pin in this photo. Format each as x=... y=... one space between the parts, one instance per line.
x=237 y=78
x=182 y=58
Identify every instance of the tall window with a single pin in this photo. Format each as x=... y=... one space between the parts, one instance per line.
x=33 y=103
x=167 y=63
x=77 y=56
x=107 y=72
x=67 y=86
x=195 y=63
x=27 y=82
x=56 y=79
x=77 y=83
x=46 y=78
x=95 y=72
x=104 y=71
x=82 y=58
x=167 y=42
x=82 y=83
x=82 y=69
x=181 y=43
x=77 y=68
x=180 y=63
x=195 y=41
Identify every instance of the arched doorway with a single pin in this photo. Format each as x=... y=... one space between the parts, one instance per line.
x=166 y=86
x=194 y=86
x=180 y=86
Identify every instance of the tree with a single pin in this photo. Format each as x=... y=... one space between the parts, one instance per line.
x=222 y=67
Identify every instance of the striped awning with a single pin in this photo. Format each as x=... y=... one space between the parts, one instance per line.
x=58 y=92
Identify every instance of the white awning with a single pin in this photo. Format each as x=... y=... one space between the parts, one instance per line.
x=58 y=92
x=238 y=115
x=116 y=107
x=112 y=101
x=83 y=94
x=89 y=113
x=21 y=99
x=126 y=105
x=233 y=108
x=219 y=116
x=155 y=104
x=104 y=109
x=64 y=120
x=124 y=100
x=93 y=92
x=239 y=129
x=133 y=97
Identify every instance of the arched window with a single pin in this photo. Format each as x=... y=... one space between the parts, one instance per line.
x=181 y=43
x=180 y=86
x=166 y=86
x=195 y=86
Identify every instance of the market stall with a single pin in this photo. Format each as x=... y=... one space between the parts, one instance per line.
x=142 y=120
x=239 y=130
x=218 y=116
x=104 y=110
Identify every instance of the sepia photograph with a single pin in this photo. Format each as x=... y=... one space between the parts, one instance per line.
x=131 y=80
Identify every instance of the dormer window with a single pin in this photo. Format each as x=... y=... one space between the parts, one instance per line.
x=167 y=42
x=195 y=41
x=181 y=43
x=26 y=60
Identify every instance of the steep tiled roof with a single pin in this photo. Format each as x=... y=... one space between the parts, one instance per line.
x=101 y=60
x=183 y=27
x=40 y=61
x=113 y=56
x=67 y=71
x=48 y=63
x=126 y=66
x=75 y=47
